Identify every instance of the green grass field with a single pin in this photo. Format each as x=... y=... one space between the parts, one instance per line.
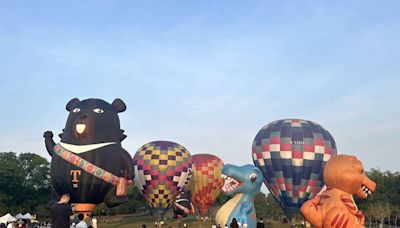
x=137 y=222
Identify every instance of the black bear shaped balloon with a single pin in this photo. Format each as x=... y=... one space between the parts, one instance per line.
x=89 y=162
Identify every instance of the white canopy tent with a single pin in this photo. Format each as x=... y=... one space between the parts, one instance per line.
x=7 y=218
x=27 y=216
x=18 y=216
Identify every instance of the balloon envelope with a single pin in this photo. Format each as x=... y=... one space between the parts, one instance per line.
x=162 y=169
x=206 y=180
x=292 y=153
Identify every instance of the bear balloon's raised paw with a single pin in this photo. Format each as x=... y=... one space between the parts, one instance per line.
x=48 y=134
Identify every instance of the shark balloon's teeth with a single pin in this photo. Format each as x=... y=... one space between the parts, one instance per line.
x=230 y=183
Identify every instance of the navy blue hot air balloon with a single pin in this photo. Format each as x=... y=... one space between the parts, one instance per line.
x=291 y=153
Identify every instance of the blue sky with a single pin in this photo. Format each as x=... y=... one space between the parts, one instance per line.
x=206 y=74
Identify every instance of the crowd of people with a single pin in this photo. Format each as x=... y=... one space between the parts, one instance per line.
x=19 y=224
x=22 y=223
x=62 y=214
x=25 y=224
x=62 y=217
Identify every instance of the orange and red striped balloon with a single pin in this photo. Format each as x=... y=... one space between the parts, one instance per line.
x=206 y=181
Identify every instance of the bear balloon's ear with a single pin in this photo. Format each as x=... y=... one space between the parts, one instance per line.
x=118 y=105
x=72 y=103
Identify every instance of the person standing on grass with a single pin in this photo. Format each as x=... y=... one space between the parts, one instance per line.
x=93 y=221
x=61 y=213
x=81 y=223
x=260 y=223
x=234 y=223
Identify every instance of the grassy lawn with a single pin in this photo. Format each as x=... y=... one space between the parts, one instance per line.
x=136 y=222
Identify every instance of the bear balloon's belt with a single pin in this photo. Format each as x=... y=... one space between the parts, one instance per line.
x=85 y=165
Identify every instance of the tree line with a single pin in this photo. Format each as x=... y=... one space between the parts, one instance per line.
x=383 y=206
x=25 y=186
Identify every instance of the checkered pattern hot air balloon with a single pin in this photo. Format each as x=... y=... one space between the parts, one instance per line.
x=206 y=181
x=162 y=169
x=292 y=153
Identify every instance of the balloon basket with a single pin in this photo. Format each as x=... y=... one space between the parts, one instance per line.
x=159 y=214
x=84 y=208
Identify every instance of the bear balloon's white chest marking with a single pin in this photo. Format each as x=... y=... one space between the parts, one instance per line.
x=84 y=148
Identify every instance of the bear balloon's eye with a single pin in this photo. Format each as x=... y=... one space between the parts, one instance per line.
x=76 y=110
x=98 y=110
x=253 y=177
